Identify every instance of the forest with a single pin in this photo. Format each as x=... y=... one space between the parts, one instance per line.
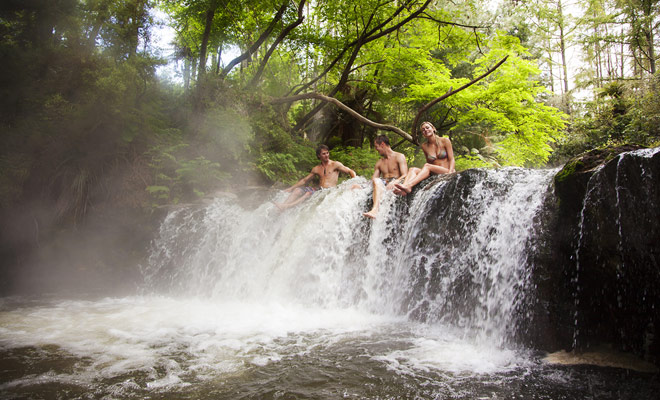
x=90 y=126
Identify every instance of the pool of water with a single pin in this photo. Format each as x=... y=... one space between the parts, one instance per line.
x=163 y=348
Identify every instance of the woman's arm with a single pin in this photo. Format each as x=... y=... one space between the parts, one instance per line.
x=450 y=154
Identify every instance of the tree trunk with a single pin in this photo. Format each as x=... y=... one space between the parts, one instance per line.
x=562 y=45
x=186 y=73
x=255 y=46
x=649 y=40
x=210 y=13
x=279 y=39
x=219 y=61
x=367 y=35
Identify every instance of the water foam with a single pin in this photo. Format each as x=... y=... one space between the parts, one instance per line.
x=228 y=289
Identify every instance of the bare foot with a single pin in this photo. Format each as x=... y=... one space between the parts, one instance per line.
x=371 y=214
x=405 y=190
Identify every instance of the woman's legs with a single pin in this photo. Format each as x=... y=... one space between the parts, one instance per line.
x=412 y=173
x=424 y=173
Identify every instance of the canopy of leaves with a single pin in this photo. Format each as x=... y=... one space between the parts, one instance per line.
x=81 y=75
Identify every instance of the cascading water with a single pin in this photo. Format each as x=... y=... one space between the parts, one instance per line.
x=314 y=302
x=440 y=260
x=470 y=250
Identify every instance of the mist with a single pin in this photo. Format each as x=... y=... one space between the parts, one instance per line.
x=97 y=145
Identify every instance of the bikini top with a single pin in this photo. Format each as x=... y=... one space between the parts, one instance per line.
x=441 y=155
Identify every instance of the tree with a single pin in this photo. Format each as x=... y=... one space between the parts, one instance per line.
x=643 y=18
x=554 y=28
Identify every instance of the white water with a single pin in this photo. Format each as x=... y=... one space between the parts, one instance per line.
x=228 y=290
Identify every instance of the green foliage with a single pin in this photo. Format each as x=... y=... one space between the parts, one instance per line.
x=79 y=104
x=506 y=105
x=287 y=167
x=644 y=113
x=469 y=161
x=359 y=159
x=177 y=177
x=278 y=167
x=621 y=113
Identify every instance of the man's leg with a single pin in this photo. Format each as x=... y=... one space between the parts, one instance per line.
x=378 y=190
x=297 y=196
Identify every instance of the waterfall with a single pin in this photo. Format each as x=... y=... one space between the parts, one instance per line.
x=453 y=252
x=470 y=255
x=615 y=251
x=450 y=293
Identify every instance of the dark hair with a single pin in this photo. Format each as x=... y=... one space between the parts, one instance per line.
x=382 y=139
x=320 y=149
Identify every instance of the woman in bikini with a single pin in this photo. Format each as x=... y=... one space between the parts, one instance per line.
x=439 y=159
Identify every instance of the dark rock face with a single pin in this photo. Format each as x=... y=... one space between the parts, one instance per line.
x=598 y=279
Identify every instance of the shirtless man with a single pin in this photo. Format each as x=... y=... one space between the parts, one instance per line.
x=388 y=171
x=328 y=173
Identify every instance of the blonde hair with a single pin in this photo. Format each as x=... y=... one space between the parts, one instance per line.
x=430 y=124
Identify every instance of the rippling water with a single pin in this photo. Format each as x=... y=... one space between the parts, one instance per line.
x=160 y=347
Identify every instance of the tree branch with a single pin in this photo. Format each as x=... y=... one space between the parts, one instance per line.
x=365 y=64
x=363 y=39
x=451 y=92
x=367 y=37
x=347 y=109
x=279 y=39
x=439 y=21
x=259 y=41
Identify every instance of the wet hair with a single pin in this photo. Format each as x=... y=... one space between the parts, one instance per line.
x=320 y=149
x=382 y=139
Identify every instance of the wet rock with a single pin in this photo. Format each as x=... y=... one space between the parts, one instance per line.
x=598 y=278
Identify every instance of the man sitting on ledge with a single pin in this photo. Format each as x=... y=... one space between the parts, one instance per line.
x=390 y=169
x=328 y=173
